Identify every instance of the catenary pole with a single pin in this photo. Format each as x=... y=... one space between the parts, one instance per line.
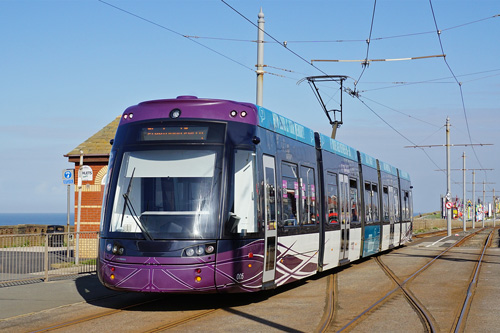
x=464 y=200
x=473 y=199
x=260 y=58
x=448 y=176
x=484 y=201
x=494 y=209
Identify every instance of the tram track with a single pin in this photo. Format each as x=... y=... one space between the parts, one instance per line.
x=89 y=318
x=177 y=313
x=458 y=324
x=425 y=317
x=423 y=314
x=80 y=324
x=181 y=321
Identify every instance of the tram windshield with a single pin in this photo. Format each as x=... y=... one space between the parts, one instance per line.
x=168 y=194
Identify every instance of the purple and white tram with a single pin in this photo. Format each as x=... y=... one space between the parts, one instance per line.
x=209 y=195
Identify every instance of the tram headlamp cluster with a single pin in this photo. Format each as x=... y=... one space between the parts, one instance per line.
x=115 y=248
x=129 y=116
x=234 y=113
x=198 y=250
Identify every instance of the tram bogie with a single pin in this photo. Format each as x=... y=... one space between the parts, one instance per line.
x=209 y=195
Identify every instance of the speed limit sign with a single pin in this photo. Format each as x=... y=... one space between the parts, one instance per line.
x=449 y=204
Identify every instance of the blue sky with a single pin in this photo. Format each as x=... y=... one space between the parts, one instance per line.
x=70 y=67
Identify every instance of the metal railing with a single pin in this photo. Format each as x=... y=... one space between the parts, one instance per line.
x=40 y=257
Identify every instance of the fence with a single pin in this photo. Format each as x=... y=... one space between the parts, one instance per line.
x=40 y=257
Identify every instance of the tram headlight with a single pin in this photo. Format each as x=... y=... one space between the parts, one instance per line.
x=209 y=249
x=233 y=113
x=175 y=113
x=190 y=252
x=200 y=250
x=117 y=249
x=243 y=114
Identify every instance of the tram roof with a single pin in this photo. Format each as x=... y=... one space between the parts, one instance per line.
x=387 y=168
x=404 y=175
x=189 y=106
x=282 y=125
x=368 y=160
x=338 y=147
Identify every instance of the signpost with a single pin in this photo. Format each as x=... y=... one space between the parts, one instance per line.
x=68 y=178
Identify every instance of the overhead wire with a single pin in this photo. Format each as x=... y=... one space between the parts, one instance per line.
x=355 y=95
x=176 y=33
x=400 y=84
x=458 y=83
x=193 y=39
x=366 y=63
x=400 y=112
x=395 y=130
x=283 y=44
x=348 y=40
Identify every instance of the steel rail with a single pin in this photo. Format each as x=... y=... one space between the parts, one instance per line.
x=425 y=318
x=329 y=306
x=416 y=273
x=92 y=317
x=180 y=321
x=472 y=285
x=112 y=312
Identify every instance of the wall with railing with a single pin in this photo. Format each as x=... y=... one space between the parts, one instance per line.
x=46 y=256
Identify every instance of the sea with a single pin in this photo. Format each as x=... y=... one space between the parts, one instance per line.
x=36 y=218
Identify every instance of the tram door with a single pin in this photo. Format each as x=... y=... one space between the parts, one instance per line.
x=391 y=215
x=345 y=216
x=270 y=219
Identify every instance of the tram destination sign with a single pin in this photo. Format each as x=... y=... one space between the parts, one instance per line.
x=174 y=133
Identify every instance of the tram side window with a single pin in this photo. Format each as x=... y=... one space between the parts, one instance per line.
x=397 y=204
x=332 y=197
x=406 y=206
x=308 y=196
x=242 y=216
x=385 y=203
x=270 y=198
x=368 y=203
x=354 y=200
x=290 y=183
x=375 y=203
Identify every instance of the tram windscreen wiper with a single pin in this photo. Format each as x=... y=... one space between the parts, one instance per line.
x=128 y=204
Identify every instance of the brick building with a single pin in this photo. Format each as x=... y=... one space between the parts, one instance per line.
x=96 y=151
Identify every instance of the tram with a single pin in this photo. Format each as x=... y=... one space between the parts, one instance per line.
x=208 y=195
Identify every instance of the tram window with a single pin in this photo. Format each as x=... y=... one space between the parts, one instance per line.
x=332 y=197
x=368 y=203
x=375 y=203
x=308 y=196
x=167 y=194
x=270 y=198
x=396 y=205
x=290 y=183
x=406 y=206
x=385 y=203
x=242 y=216
x=354 y=200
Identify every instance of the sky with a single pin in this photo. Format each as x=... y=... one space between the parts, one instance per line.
x=68 y=68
